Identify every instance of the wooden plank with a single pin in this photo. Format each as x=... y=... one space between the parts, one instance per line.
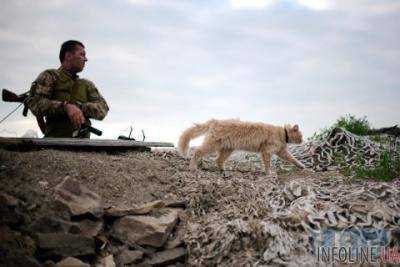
x=74 y=143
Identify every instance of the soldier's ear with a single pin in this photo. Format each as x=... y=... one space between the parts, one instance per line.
x=296 y=127
x=68 y=55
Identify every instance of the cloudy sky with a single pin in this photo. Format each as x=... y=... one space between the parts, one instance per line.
x=163 y=65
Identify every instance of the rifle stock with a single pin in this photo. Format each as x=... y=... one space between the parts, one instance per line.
x=9 y=96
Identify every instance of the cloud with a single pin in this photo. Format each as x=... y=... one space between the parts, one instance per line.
x=257 y=4
x=163 y=65
x=139 y=2
x=368 y=6
x=316 y=4
x=252 y=3
x=18 y=126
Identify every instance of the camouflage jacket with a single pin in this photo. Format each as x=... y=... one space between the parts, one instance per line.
x=53 y=87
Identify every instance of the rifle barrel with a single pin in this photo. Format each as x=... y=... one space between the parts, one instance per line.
x=94 y=130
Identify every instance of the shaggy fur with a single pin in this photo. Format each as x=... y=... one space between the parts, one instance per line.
x=225 y=136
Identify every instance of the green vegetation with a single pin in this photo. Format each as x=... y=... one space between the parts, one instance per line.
x=386 y=168
x=358 y=126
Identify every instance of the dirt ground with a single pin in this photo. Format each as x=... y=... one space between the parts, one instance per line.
x=216 y=199
x=130 y=178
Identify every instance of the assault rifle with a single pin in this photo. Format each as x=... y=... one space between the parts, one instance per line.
x=9 y=96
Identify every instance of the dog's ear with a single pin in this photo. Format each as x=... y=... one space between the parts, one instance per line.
x=296 y=127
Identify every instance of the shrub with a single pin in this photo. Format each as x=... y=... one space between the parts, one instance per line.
x=386 y=168
x=358 y=126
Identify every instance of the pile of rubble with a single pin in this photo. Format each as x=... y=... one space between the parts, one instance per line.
x=81 y=232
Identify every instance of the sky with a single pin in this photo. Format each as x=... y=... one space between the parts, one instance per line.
x=163 y=65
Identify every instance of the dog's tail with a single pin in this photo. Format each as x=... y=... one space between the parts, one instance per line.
x=191 y=133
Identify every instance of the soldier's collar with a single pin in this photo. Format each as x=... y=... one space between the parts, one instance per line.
x=73 y=76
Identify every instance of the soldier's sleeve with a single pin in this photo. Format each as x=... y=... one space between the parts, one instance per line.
x=96 y=107
x=39 y=100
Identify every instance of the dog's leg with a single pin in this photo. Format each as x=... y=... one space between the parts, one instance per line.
x=193 y=161
x=285 y=155
x=266 y=157
x=223 y=155
x=201 y=151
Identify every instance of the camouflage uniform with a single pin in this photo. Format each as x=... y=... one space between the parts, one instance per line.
x=52 y=89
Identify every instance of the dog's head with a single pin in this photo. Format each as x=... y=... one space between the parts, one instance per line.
x=294 y=134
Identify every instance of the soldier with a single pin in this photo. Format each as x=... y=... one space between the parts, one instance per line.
x=64 y=99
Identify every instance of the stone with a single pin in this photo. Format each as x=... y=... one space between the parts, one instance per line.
x=150 y=207
x=29 y=245
x=49 y=263
x=53 y=224
x=19 y=259
x=175 y=239
x=106 y=262
x=177 y=204
x=89 y=228
x=167 y=257
x=121 y=211
x=50 y=224
x=8 y=200
x=71 y=262
x=10 y=213
x=130 y=256
x=101 y=241
x=16 y=249
x=65 y=245
x=60 y=209
x=145 y=229
x=12 y=241
x=79 y=199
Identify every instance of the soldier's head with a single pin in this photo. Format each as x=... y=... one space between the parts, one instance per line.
x=73 y=56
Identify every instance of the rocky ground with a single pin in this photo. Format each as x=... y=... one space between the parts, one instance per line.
x=147 y=209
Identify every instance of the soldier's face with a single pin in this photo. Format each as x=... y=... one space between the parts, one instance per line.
x=78 y=59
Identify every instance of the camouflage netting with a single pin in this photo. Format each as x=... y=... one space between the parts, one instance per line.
x=254 y=220
x=323 y=155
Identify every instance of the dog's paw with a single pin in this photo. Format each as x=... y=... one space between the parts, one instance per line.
x=193 y=169
x=301 y=166
x=270 y=174
x=309 y=170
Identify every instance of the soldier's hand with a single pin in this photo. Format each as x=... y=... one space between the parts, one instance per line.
x=75 y=115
